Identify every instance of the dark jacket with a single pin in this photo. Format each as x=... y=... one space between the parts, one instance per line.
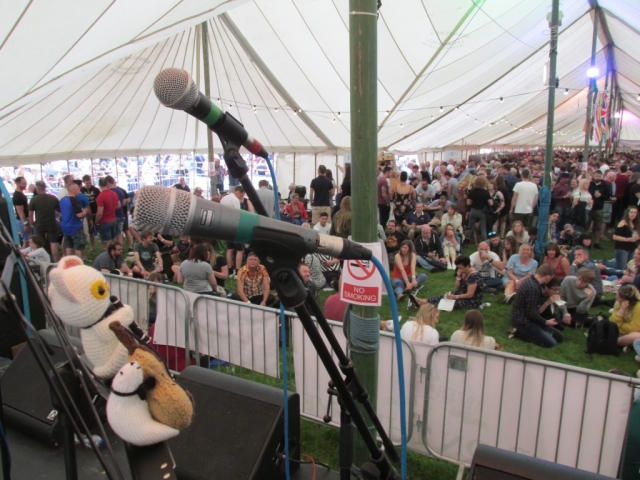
x=423 y=248
x=605 y=193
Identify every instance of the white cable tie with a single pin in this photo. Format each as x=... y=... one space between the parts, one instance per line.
x=364 y=13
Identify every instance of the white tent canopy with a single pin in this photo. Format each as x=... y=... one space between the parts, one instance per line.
x=77 y=76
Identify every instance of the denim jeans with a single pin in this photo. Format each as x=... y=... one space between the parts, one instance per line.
x=492 y=282
x=424 y=264
x=477 y=215
x=543 y=336
x=399 y=285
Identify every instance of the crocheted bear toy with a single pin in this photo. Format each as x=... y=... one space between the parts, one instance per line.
x=79 y=295
x=128 y=411
x=168 y=402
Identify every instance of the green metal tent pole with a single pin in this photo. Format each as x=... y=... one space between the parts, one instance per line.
x=207 y=92
x=545 y=195
x=592 y=89
x=363 y=43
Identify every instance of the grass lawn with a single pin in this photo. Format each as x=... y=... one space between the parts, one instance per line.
x=321 y=442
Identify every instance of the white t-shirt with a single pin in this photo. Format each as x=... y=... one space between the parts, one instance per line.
x=429 y=334
x=230 y=201
x=460 y=337
x=486 y=269
x=527 y=192
x=583 y=197
x=320 y=229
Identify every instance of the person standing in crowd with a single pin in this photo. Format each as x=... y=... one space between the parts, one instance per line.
x=600 y=192
x=66 y=181
x=562 y=197
x=265 y=194
x=42 y=215
x=234 y=200
x=216 y=177
x=477 y=199
x=121 y=209
x=92 y=192
x=21 y=206
x=403 y=198
x=529 y=325
x=107 y=202
x=111 y=260
x=525 y=199
x=72 y=211
x=620 y=188
x=384 y=196
x=320 y=193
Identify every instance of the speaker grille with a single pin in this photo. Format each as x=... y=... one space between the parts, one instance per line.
x=227 y=435
x=485 y=473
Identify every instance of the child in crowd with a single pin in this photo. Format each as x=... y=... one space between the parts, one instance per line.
x=35 y=250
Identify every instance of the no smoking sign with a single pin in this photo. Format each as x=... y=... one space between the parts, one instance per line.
x=361 y=281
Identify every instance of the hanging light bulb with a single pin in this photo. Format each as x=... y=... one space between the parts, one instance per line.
x=456 y=107
x=431 y=117
x=501 y=100
x=401 y=125
x=440 y=108
x=566 y=91
x=295 y=112
x=229 y=106
x=254 y=108
x=339 y=114
x=334 y=120
x=387 y=113
x=276 y=109
x=476 y=120
x=638 y=97
x=467 y=115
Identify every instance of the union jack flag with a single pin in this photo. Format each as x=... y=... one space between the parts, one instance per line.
x=600 y=120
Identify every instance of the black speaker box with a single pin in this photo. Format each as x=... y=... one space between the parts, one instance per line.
x=238 y=429
x=490 y=463
x=26 y=395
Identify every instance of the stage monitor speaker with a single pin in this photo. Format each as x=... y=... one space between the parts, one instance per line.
x=26 y=395
x=237 y=431
x=490 y=463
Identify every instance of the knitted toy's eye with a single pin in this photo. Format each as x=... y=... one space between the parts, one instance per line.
x=100 y=289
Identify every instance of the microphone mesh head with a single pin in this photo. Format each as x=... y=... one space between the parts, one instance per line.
x=153 y=205
x=175 y=89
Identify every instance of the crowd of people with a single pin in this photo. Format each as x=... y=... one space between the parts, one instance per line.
x=427 y=215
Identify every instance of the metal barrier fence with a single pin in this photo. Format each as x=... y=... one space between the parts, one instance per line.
x=556 y=412
x=457 y=396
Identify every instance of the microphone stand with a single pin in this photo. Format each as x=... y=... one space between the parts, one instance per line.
x=238 y=169
x=282 y=268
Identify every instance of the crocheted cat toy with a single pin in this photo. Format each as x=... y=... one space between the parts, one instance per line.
x=79 y=295
x=128 y=411
x=168 y=402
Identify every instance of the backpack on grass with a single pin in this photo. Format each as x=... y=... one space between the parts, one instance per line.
x=602 y=338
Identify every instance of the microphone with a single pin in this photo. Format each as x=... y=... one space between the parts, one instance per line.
x=175 y=212
x=176 y=89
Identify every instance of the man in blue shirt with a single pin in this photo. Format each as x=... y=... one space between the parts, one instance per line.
x=72 y=212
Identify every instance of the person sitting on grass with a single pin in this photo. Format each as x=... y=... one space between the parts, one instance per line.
x=450 y=246
x=519 y=267
x=582 y=261
x=404 y=278
x=196 y=274
x=488 y=264
x=144 y=254
x=422 y=327
x=254 y=284
x=626 y=315
x=528 y=325
x=578 y=293
x=468 y=292
x=472 y=332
